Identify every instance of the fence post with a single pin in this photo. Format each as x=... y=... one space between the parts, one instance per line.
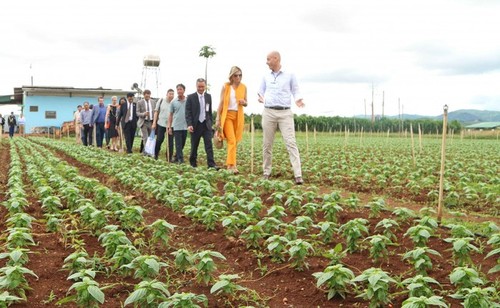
x=441 y=173
x=252 y=138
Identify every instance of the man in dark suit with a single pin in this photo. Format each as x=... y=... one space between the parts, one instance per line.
x=199 y=122
x=127 y=117
x=145 y=115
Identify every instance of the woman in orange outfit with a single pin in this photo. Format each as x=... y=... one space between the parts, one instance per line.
x=230 y=117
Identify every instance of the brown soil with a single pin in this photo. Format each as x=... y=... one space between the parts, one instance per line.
x=281 y=285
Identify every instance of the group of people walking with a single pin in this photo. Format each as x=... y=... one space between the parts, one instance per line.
x=173 y=118
x=12 y=122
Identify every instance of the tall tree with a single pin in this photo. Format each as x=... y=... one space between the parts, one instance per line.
x=207 y=52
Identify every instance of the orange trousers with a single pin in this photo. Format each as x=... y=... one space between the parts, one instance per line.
x=229 y=129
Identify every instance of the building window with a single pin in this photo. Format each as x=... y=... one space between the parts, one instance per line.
x=33 y=108
x=50 y=114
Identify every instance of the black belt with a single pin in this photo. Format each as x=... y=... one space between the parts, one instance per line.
x=148 y=120
x=277 y=107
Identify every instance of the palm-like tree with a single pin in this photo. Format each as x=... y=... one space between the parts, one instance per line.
x=207 y=52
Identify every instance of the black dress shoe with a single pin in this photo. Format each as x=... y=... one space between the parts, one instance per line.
x=214 y=167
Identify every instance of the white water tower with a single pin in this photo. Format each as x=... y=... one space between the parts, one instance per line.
x=151 y=72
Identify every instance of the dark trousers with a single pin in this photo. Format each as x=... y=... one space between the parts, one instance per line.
x=160 y=137
x=129 y=134
x=12 y=128
x=201 y=130
x=180 y=137
x=107 y=137
x=99 y=133
x=87 y=135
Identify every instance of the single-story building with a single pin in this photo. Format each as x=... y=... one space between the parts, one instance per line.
x=484 y=126
x=44 y=107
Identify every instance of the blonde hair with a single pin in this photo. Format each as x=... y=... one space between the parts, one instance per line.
x=234 y=70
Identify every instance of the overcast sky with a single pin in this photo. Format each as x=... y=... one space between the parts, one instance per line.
x=424 y=53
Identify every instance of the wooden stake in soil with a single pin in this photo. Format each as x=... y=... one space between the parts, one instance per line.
x=361 y=137
x=412 y=146
x=307 y=140
x=345 y=138
x=441 y=173
x=167 y=152
x=420 y=138
x=121 y=138
x=252 y=138
x=94 y=132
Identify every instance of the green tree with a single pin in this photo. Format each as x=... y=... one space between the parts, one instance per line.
x=207 y=52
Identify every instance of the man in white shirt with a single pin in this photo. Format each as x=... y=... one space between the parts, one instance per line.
x=78 y=124
x=276 y=92
x=161 y=113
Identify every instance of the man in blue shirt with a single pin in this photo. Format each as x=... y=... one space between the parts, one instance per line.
x=276 y=92
x=177 y=123
x=86 y=120
x=99 y=118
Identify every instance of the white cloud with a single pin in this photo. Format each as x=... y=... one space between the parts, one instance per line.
x=423 y=53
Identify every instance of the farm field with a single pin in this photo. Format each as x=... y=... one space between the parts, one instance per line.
x=84 y=227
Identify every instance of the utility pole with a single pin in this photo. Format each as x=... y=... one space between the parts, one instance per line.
x=373 y=111
x=402 y=112
x=399 y=114
x=383 y=97
x=365 y=108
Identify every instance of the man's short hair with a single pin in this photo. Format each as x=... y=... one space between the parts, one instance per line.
x=181 y=85
x=130 y=94
x=170 y=90
x=78 y=106
x=201 y=80
x=146 y=92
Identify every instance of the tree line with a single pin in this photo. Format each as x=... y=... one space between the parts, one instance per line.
x=383 y=124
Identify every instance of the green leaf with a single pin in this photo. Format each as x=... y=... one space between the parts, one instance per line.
x=160 y=286
x=217 y=254
x=153 y=264
x=135 y=296
x=324 y=277
x=373 y=279
x=273 y=245
x=96 y=293
x=436 y=301
x=16 y=255
x=459 y=244
x=219 y=285
x=493 y=252
x=338 y=248
x=495 y=269
x=456 y=276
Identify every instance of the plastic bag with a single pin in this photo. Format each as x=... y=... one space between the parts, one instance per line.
x=149 y=148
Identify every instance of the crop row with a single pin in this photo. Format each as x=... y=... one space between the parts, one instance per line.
x=75 y=205
x=242 y=212
x=13 y=281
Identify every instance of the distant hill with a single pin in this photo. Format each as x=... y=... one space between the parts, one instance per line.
x=471 y=116
x=464 y=116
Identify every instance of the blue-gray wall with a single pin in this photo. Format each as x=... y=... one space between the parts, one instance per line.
x=63 y=106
